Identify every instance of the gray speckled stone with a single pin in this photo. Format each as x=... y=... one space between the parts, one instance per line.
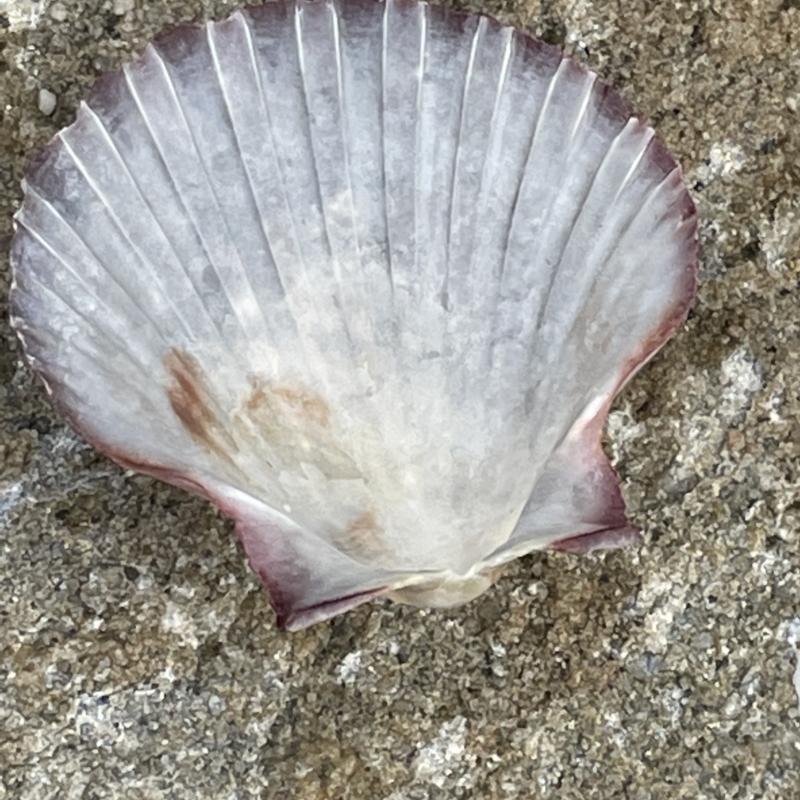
x=140 y=658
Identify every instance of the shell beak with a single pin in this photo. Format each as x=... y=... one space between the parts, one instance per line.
x=446 y=590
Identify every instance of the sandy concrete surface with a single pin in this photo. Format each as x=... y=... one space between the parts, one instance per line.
x=139 y=656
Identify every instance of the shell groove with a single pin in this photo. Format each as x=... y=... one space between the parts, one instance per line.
x=367 y=276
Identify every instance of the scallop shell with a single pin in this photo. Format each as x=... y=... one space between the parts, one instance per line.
x=365 y=275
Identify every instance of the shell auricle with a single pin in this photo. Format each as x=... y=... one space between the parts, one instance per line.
x=365 y=275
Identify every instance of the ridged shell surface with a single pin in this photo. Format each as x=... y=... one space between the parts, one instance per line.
x=367 y=276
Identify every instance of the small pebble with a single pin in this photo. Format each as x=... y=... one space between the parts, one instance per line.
x=58 y=11
x=123 y=6
x=47 y=102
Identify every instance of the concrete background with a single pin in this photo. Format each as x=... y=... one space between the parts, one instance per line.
x=139 y=657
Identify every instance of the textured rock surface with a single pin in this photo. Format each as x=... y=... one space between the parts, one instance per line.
x=139 y=656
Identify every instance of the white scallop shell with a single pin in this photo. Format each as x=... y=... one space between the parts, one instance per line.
x=366 y=275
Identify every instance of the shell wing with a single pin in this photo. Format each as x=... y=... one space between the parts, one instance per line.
x=366 y=275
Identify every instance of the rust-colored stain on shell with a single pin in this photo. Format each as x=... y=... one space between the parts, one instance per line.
x=281 y=426
x=291 y=425
x=363 y=539
x=193 y=403
x=285 y=403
